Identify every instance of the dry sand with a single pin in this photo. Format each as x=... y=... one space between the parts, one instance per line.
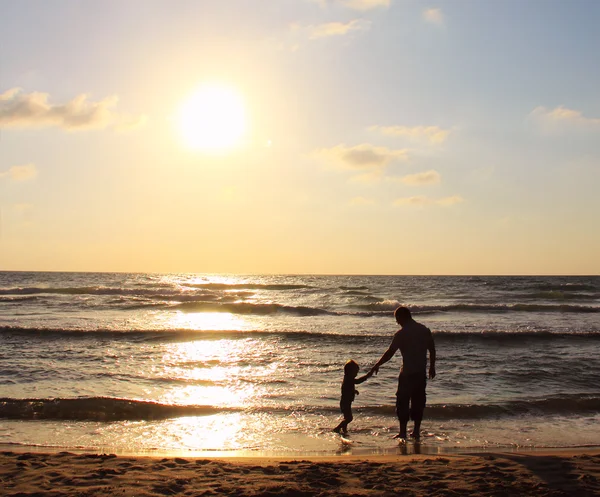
x=559 y=473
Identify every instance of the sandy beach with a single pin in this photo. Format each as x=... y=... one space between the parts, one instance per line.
x=545 y=473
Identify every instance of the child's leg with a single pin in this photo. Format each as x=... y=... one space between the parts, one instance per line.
x=343 y=426
x=347 y=412
x=347 y=418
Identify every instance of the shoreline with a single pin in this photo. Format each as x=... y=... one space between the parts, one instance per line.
x=555 y=472
x=345 y=450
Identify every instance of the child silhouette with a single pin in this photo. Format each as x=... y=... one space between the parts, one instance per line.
x=351 y=369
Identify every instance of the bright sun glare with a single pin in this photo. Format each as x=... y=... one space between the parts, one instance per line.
x=212 y=118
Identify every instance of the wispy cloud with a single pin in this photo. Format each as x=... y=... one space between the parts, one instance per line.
x=365 y=4
x=433 y=134
x=129 y=123
x=33 y=110
x=453 y=200
x=425 y=178
x=337 y=28
x=368 y=159
x=363 y=157
x=415 y=201
x=300 y=35
x=20 y=173
x=434 y=16
x=563 y=115
x=421 y=201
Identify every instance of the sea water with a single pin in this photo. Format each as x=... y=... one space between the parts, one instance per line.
x=192 y=363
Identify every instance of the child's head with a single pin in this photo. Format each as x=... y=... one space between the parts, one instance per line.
x=351 y=368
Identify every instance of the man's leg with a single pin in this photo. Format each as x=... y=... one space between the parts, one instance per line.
x=402 y=405
x=418 y=399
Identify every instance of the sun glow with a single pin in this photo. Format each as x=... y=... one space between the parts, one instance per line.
x=213 y=118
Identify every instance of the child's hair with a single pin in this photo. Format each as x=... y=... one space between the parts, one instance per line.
x=351 y=366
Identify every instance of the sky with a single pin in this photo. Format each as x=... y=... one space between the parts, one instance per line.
x=364 y=137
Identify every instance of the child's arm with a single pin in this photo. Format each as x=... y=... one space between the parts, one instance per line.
x=363 y=378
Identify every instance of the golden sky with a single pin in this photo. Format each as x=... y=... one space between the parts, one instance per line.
x=333 y=136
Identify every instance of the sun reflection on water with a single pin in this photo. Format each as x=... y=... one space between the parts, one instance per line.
x=209 y=432
x=207 y=373
x=227 y=373
x=207 y=321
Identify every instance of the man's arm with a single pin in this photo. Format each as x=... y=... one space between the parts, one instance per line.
x=387 y=355
x=431 y=348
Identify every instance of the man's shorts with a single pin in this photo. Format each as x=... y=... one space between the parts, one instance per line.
x=411 y=396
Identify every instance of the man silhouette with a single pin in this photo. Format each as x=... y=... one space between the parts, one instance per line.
x=413 y=340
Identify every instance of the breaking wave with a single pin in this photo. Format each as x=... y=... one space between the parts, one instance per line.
x=387 y=306
x=191 y=334
x=116 y=409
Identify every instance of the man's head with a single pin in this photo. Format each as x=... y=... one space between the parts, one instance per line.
x=402 y=315
x=351 y=368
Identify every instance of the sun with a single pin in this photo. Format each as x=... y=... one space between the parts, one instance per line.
x=212 y=118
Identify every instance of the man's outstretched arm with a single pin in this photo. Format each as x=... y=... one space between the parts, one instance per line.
x=387 y=355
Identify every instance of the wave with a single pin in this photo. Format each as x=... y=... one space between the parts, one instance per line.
x=151 y=335
x=565 y=287
x=99 y=409
x=151 y=295
x=248 y=308
x=248 y=286
x=381 y=306
x=17 y=299
x=84 y=290
x=556 y=406
x=387 y=306
x=516 y=308
x=559 y=405
x=361 y=293
x=117 y=409
x=560 y=295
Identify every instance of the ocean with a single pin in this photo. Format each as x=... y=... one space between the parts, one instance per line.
x=232 y=364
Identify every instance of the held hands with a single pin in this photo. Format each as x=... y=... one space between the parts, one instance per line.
x=374 y=370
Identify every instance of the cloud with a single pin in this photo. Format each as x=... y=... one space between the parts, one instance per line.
x=453 y=200
x=433 y=134
x=365 y=4
x=20 y=173
x=129 y=123
x=562 y=115
x=420 y=201
x=337 y=28
x=425 y=178
x=364 y=157
x=33 y=110
x=434 y=16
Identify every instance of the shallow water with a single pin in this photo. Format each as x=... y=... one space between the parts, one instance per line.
x=143 y=362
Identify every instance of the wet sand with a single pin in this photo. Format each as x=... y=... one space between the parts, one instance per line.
x=545 y=473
